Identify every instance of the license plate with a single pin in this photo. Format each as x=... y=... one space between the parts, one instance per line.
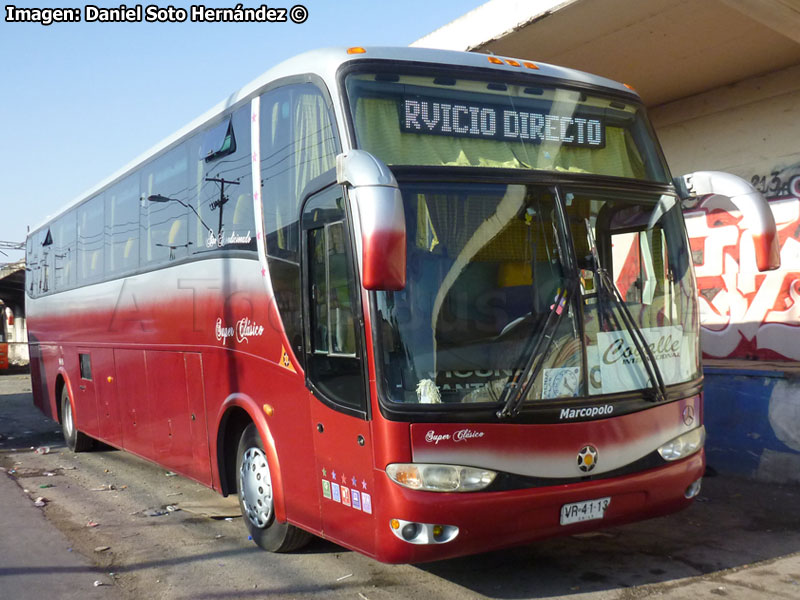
x=588 y=510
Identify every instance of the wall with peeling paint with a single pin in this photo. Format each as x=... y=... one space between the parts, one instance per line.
x=752 y=418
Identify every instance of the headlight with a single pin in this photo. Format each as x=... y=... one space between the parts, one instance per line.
x=684 y=445
x=440 y=478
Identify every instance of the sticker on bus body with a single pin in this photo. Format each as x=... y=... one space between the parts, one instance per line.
x=285 y=361
x=366 y=503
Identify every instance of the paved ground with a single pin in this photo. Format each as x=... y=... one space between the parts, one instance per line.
x=741 y=541
x=38 y=561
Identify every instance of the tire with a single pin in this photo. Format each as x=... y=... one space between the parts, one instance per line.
x=254 y=487
x=76 y=441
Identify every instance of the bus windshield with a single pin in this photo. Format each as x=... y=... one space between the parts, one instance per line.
x=489 y=266
x=405 y=118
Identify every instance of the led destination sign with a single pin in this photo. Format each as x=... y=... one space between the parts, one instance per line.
x=490 y=121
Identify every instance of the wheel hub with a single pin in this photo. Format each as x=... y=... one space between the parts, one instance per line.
x=68 y=419
x=256 y=487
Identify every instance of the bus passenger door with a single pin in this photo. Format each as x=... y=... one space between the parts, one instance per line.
x=335 y=372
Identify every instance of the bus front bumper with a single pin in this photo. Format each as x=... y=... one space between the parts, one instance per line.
x=470 y=523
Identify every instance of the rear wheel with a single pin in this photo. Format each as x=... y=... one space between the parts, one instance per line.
x=254 y=485
x=76 y=441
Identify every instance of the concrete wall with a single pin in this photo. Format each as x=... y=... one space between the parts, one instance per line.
x=751 y=416
x=751 y=128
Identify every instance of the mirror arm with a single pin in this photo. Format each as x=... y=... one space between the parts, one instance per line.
x=754 y=207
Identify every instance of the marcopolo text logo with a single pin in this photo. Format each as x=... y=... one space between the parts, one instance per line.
x=586 y=412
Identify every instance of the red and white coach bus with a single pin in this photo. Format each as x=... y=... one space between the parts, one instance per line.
x=419 y=303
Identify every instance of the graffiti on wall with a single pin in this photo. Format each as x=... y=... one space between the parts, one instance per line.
x=744 y=313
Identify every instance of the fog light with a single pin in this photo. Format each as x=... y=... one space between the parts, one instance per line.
x=422 y=533
x=693 y=489
x=410 y=531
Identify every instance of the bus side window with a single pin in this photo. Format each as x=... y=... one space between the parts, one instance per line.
x=333 y=363
x=298 y=144
x=122 y=227
x=221 y=186
x=30 y=260
x=333 y=330
x=33 y=263
x=162 y=220
x=277 y=164
x=90 y=240
x=64 y=231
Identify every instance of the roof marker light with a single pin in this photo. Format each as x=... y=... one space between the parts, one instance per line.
x=629 y=86
x=356 y=50
x=530 y=65
x=494 y=60
x=512 y=62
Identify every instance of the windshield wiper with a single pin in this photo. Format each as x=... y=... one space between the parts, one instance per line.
x=605 y=285
x=516 y=391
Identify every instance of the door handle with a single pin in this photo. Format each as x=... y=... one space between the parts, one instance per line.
x=82 y=387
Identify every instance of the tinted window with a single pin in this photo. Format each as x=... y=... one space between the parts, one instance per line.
x=31 y=259
x=34 y=263
x=333 y=363
x=221 y=186
x=331 y=279
x=318 y=280
x=85 y=361
x=162 y=219
x=218 y=141
x=64 y=251
x=298 y=144
x=90 y=240
x=41 y=267
x=122 y=227
x=340 y=286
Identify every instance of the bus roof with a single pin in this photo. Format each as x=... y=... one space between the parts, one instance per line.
x=325 y=63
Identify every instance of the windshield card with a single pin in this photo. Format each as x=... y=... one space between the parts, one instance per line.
x=587 y=510
x=456 y=118
x=621 y=368
x=563 y=382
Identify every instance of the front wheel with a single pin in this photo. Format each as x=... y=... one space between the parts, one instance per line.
x=256 y=500
x=76 y=441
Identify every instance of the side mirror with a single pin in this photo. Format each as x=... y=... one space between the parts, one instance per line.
x=753 y=206
x=383 y=222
